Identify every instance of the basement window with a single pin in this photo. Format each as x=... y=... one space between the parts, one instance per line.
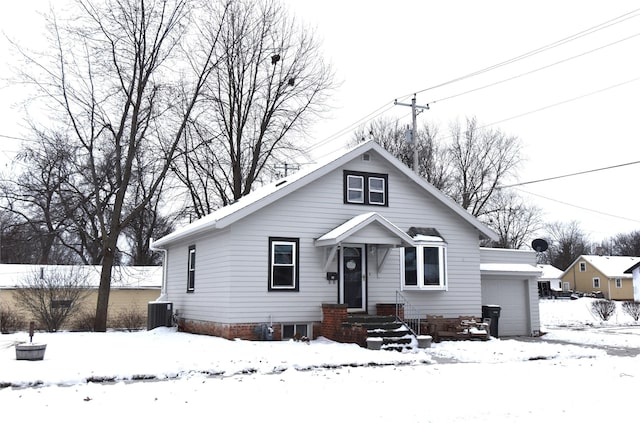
x=295 y=331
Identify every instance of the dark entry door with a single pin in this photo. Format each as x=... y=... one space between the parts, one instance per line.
x=353 y=277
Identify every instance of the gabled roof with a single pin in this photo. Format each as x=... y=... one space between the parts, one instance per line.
x=610 y=266
x=632 y=268
x=268 y=194
x=355 y=224
x=550 y=272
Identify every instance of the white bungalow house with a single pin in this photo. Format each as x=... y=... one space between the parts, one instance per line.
x=357 y=234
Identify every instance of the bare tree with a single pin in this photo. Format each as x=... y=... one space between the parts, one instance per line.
x=512 y=218
x=481 y=158
x=626 y=244
x=432 y=162
x=54 y=296
x=270 y=84
x=36 y=196
x=125 y=81
x=567 y=243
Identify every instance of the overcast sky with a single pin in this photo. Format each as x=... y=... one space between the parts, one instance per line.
x=384 y=50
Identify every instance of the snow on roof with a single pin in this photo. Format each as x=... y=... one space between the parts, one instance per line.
x=550 y=272
x=509 y=268
x=123 y=277
x=358 y=222
x=611 y=266
x=278 y=189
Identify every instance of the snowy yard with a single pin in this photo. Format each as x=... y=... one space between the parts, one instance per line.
x=214 y=379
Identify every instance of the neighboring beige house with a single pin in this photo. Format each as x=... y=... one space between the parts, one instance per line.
x=602 y=274
x=132 y=287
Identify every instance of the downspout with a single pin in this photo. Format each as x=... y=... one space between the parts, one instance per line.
x=163 y=287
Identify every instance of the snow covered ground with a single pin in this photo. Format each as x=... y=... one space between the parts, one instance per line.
x=163 y=374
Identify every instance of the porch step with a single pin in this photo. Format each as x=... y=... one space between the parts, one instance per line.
x=395 y=335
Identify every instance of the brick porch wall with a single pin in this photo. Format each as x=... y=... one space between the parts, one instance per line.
x=389 y=309
x=334 y=326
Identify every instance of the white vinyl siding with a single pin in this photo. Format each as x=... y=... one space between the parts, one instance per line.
x=233 y=265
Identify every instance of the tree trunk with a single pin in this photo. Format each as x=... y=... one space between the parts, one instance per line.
x=102 y=307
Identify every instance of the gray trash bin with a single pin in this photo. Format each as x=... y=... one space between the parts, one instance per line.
x=492 y=312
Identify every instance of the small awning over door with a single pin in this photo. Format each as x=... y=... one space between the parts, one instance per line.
x=368 y=228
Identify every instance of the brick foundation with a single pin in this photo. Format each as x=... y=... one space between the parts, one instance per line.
x=246 y=331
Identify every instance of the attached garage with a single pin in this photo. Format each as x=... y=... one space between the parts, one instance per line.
x=513 y=286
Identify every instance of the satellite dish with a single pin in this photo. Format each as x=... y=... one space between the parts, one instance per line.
x=540 y=245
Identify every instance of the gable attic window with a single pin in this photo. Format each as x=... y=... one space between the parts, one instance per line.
x=283 y=264
x=191 y=269
x=424 y=267
x=365 y=188
x=583 y=266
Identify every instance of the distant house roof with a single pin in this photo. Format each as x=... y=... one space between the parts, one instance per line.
x=549 y=272
x=123 y=277
x=610 y=266
x=268 y=194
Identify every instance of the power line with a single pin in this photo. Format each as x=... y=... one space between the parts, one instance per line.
x=537 y=69
x=583 y=33
x=569 y=175
x=611 y=22
x=579 y=207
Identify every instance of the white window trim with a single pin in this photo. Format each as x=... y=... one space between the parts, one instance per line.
x=596 y=281
x=618 y=283
x=442 y=256
x=581 y=265
x=191 y=269
x=377 y=191
x=351 y=189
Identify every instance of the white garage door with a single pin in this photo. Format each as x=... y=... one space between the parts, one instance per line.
x=511 y=296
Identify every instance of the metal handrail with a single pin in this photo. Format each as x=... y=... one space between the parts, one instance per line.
x=411 y=315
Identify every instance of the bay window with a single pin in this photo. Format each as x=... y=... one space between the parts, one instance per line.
x=424 y=267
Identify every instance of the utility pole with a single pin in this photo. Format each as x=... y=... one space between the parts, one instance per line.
x=414 y=129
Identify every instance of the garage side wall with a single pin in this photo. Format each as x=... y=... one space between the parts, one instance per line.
x=509 y=279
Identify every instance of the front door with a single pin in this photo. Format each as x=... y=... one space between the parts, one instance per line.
x=353 y=277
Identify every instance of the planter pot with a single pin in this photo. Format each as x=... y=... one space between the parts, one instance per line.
x=424 y=341
x=30 y=352
x=374 y=343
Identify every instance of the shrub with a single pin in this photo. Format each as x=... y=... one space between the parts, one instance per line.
x=632 y=308
x=130 y=319
x=84 y=321
x=603 y=309
x=52 y=298
x=11 y=320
